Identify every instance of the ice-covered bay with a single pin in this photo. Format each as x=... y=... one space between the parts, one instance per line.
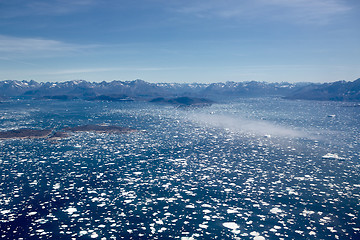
x=180 y=176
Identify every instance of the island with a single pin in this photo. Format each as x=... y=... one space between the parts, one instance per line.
x=184 y=101
x=100 y=129
x=27 y=133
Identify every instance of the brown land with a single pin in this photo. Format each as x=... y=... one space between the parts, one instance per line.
x=46 y=133
x=25 y=133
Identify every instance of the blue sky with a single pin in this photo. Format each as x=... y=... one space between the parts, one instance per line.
x=180 y=40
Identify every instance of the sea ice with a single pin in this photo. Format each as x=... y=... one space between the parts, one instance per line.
x=70 y=210
x=5 y=212
x=94 y=235
x=231 y=225
x=205 y=205
x=259 y=238
x=232 y=211
x=203 y=226
x=275 y=210
x=333 y=156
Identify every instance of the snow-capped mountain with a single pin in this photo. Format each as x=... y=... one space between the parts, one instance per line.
x=139 y=89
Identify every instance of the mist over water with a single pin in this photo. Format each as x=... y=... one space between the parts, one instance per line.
x=247 y=126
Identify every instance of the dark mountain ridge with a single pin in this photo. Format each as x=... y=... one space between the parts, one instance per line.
x=336 y=91
x=138 y=88
x=141 y=90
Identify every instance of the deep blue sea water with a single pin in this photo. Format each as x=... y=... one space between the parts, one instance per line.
x=242 y=169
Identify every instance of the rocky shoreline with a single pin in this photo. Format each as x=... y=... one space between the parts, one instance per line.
x=27 y=133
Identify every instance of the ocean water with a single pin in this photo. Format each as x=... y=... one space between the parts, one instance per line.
x=240 y=169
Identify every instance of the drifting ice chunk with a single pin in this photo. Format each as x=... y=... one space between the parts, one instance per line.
x=32 y=213
x=231 y=225
x=5 y=212
x=275 y=210
x=332 y=156
x=259 y=238
x=70 y=210
x=94 y=235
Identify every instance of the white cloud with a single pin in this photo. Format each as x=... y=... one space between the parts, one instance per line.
x=310 y=11
x=74 y=72
x=35 y=47
x=15 y=44
x=299 y=11
x=58 y=7
x=110 y=69
x=17 y=8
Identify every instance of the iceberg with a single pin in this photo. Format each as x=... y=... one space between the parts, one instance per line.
x=332 y=156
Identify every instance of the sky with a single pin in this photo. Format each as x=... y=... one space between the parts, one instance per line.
x=180 y=40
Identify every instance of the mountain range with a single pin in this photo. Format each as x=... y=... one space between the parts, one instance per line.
x=336 y=91
x=141 y=90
